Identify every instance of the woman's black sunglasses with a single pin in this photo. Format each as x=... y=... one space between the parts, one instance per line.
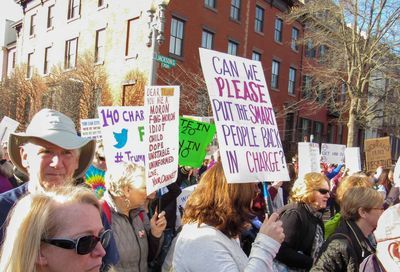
x=82 y=245
x=323 y=191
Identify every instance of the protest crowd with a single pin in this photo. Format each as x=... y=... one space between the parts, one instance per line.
x=142 y=199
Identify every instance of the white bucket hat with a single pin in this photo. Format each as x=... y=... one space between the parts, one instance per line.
x=58 y=129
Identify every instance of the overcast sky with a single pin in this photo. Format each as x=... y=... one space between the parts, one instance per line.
x=10 y=10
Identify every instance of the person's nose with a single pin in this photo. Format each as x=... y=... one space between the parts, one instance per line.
x=99 y=251
x=56 y=160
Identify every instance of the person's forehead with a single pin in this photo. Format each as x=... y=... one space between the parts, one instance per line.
x=39 y=143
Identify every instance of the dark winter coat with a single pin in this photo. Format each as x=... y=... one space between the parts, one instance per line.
x=344 y=250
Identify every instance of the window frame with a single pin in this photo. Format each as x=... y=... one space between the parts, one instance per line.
x=234 y=12
x=98 y=48
x=210 y=3
x=74 y=9
x=232 y=45
x=68 y=54
x=255 y=53
x=294 y=39
x=50 y=16
x=177 y=36
x=278 y=30
x=205 y=37
x=259 y=22
x=29 y=67
x=275 y=76
x=292 y=81
x=32 y=25
x=46 y=64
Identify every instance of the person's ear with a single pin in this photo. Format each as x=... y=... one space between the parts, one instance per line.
x=41 y=259
x=362 y=212
x=24 y=157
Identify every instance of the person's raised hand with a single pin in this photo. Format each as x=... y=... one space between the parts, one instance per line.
x=272 y=227
x=157 y=224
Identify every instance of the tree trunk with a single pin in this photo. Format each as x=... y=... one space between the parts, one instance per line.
x=352 y=125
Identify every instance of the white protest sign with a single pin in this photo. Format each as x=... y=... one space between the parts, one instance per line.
x=162 y=132
x=183 y=197
x=90 y=128
x=122 y=129
x=249 y=142
x=7 y=126
x=352 y=159
x=332 y=153
x=396 y=174
x=309 y=158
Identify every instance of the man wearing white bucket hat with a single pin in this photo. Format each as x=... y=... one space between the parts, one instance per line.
x=50 y=152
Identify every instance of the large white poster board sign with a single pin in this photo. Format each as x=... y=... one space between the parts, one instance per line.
x=7 y=126
x=332 y=153
x=309 y=158
x=122 y=129
x=90 y=128
x=184 y=196
x=249 y=142
x=352 y=159
x=162 y=132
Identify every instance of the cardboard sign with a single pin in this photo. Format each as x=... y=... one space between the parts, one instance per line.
x=309 y=158
x=352 y=159
x=249 y=141
x=377 y=153
x=90 y=128
x=194 y=137
x=332 y=153
x=162 y=130
x=7 y=126
x=122 y=130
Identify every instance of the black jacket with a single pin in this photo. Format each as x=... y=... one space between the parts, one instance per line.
x=344 y=250
x=300 y=227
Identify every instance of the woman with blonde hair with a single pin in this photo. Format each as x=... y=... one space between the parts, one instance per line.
x=302 y=223
x=361 y=208
x=215 y=215
x=355 y=180
x=55 y=231
x=138 y=239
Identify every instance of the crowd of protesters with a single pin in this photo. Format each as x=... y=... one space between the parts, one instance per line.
x=62 y=209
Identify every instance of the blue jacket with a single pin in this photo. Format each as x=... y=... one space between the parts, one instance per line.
x=7 y=201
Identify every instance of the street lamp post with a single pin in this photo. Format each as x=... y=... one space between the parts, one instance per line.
x=156 y=35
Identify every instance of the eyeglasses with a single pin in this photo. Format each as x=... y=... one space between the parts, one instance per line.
x=323 y=191
x=379 y=208
x=82 y=245
x=100 y=158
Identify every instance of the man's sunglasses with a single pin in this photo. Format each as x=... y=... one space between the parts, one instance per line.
x=323 y=191
x=82 y=245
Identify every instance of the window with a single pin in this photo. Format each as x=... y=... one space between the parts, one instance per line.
x=14 y=54
x=47 y=56
x=322 y=53
x=207 y=39
x=74 y=9
x=232 y=48
x=275 y=74
x=278 y=29
x=209 y=3
x=289 y=122
x=256 y=56
x=100 y=3
x=50 y=16
x=33 y=25
x=176 y=39
x=259 y=23
x=330 y=133
x=292 y=80
x=235 y=10
x=295 y=38
x=307 y=85
x=131 y=35
x=310 y=50
x=304 y=129
x=99 y=48
x=71 y=51
x=317 y=131
x=29 y=69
